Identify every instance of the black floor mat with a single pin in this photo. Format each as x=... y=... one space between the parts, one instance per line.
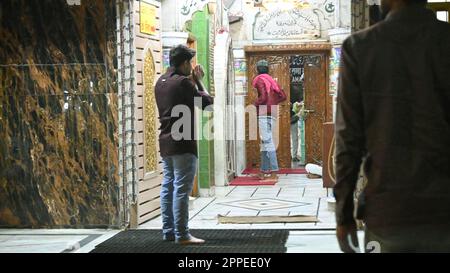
x=217 y=241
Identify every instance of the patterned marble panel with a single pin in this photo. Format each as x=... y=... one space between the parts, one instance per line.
x=74 y=79
x=264 y=204
x=12 y=81
x=55 y=161
x=51 y=31
x=58 y=114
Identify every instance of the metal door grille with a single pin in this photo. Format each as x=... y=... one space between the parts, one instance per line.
x=126 y=87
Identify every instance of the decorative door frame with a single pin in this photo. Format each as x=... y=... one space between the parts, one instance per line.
x=323 y=48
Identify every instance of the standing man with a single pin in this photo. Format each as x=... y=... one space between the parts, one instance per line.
x=299 y=109
x=177 y=88
x=269 y=95
x=393 y=111
x=295 y=98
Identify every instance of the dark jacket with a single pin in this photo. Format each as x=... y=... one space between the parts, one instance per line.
x=266 y=99
x=393 y=109
x=173 y=89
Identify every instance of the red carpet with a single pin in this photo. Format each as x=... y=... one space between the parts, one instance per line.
x=281 y=171
x=252 y=181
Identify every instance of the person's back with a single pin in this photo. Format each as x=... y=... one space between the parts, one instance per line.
x=270 y=94
x=175 y=93
x=170 y=92
x=396 y=89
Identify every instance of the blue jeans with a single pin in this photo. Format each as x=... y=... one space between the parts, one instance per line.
x=179 y=172
x=269 y=161
x=268 y=152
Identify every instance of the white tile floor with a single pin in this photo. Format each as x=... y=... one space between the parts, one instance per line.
x=309 y=195
x=304 y=237
x=315 y=242
x=51 y=240
x=315 y=237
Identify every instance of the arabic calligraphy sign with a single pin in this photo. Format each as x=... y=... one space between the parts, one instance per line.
x=308 y=22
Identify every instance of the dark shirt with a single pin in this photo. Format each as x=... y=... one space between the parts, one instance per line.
x=393 y=110
x=174 y=89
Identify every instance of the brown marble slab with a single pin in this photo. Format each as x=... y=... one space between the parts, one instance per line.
x=51 y=31
x=58 y=114
x=76 y=79
x=58 y=160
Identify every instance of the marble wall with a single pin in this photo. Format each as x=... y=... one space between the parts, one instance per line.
x=58 y=114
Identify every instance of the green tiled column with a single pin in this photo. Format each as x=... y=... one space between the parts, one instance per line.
x=200 y=29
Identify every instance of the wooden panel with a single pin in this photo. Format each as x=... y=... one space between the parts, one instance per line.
x=328 y=174
x=316 y=98
x=157 y=56
x=140 y=91
x=138 y=99
x=149 y=216
x=329 y=109
x=329 y=98
x=139 y=77
x=139 y=138
x=139 y=114
x=150 y=183
x=149 y=194
x=278 y=68
x=156 y=37
x=140 y=175
x=154 y=45
x=140 y=54
x=152 y=2
x=149 y=206
x=140 y=42
x=147 y=37
x=316 y=94
x=139 y=66
x=139 y=149
x=139 y=125
x=149 y=187
x=252 y=146
x=140 y=161
x=158 y=66
x=140 y=62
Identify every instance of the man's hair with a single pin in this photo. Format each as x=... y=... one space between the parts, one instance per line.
x=180 y=54
x=262 y=69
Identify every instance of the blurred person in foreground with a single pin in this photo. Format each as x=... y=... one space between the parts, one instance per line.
x=393 y=114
